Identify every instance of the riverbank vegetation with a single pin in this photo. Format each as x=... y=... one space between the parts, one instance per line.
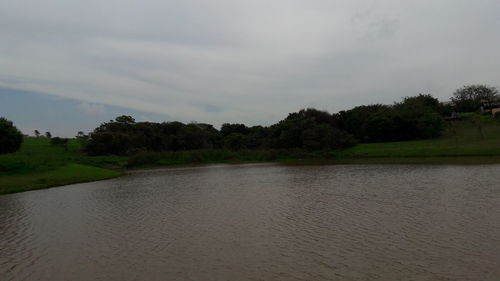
x=418 y=129
x=10 y=137
x=471 y=136
x=474 y=139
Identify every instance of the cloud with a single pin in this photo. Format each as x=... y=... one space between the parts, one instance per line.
x=92 y=108
x=383 y=29
x=245 y=61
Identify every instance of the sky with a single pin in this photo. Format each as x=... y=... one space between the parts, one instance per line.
x=67 y=66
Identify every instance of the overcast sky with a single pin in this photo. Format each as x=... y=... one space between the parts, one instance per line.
x=249 y=61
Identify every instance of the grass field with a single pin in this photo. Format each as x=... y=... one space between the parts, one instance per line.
x=40 y=165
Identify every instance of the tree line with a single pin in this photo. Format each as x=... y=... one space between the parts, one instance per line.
x=416 y=117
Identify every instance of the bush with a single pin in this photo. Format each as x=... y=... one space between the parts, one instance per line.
x=414 y=118
x=10 y=137
x=58 y=141
x=143 y=158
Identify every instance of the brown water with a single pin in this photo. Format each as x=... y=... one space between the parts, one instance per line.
x=260 y=222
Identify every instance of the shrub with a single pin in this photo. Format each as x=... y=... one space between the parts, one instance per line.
x=10 y=137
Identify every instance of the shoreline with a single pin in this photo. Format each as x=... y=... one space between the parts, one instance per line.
x=71 y=176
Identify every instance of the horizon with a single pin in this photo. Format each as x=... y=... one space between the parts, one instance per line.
x=96 y=113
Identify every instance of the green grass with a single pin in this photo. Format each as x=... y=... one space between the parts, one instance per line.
x=462 y=138
x=67 y=174
x=474 y=140
x=40 y=165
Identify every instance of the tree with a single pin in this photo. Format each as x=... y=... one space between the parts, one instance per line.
x=420 y=102
x=37 y=133
x=126 y=119
x=309 y=129
x=10 y=137
x=235 y=141
x=368 y=123
x=48 y=135
x=420 y=117
x=470 y=98
x=417 y=117
x=228 y=129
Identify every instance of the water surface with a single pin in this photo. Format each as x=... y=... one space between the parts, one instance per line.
x=260 y=222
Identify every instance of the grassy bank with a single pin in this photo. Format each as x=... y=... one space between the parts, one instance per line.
x=67 y=174
x=462 y=139
x=40 y=165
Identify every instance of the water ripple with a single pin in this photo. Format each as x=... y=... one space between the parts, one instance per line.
x=260 y=222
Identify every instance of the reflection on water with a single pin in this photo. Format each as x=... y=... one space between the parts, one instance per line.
x=260 y=222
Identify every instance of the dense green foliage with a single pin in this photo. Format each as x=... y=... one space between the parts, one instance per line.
x=307 y=129
x=418 y=117
x=126 y=137
x=10 y=137
x=310 y=129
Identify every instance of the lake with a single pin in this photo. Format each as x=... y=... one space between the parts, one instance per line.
x=260 y=222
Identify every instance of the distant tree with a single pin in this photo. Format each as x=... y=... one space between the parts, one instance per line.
x=125 y=119
x=37 y=133
x=235 y=141
x=368 y=123
x=258 y=137
x=310 y=129
x=228 y=129
x=469 y=98
x=124 y=137
x=10 y=137
x=48 y=135
x=192 y=136
x=417 y=117
x=421 y=101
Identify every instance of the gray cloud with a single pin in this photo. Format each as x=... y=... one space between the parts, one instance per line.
x=246 y=61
